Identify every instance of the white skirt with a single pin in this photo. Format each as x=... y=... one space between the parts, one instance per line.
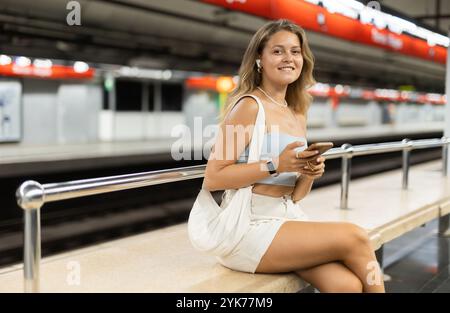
x=268 y=214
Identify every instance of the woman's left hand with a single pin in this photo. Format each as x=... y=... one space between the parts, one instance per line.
x=314 y=169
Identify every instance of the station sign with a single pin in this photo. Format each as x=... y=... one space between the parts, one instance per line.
x=49 y=72
x=387 y=32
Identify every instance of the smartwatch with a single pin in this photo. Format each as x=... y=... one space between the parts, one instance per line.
x=271 y=168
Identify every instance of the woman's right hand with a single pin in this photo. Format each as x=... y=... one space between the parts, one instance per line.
x=287 y=161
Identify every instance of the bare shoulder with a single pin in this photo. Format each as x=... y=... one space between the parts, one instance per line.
x=243 y=113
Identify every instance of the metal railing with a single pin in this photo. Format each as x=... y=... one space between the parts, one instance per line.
x=31 y=195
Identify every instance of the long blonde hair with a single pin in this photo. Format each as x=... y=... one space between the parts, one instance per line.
x=297 y=95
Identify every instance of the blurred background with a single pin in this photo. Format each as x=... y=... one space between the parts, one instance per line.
x=95 y=88
x=133 y=69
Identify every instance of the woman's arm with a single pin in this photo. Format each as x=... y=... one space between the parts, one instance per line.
x=305 y=181
x=236 y=176
x=234 y=135
x=302 y=188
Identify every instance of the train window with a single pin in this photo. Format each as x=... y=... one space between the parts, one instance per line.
x=172 y=97
x=128 y=95
x=105 y=99
x=151 y=97
x=354 y=101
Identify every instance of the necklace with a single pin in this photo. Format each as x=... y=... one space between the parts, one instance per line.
x=283 y=105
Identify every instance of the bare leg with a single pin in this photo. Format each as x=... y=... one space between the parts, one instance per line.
x=332 y=277
x=301 y=245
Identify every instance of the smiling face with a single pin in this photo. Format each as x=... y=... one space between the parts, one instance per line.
x=282 y=59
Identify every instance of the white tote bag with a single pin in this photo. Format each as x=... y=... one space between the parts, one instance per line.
x=217 y=230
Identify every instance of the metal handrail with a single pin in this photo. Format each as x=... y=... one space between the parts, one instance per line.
x=31 y=195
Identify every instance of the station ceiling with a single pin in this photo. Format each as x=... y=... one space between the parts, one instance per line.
x=434 y=13
x=190 y=35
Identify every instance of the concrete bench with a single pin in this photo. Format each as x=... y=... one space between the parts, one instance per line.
x=164 y=261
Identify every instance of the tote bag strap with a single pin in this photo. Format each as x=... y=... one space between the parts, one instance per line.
x=258 y=133
x=255 y=145
x=259 y=129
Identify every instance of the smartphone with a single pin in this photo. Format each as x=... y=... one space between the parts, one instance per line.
x=322 y=147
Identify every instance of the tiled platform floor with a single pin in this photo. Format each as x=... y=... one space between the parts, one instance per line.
x=424 y=262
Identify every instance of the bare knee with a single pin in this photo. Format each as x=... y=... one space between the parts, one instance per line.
x=357 y=238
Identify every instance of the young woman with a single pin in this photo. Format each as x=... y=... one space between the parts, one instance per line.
x=334 y=257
